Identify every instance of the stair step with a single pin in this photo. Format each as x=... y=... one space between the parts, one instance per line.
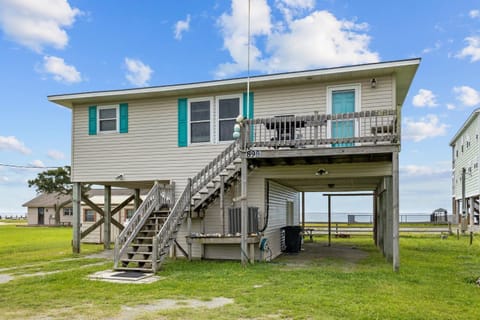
x=136 y=260
x=139 y=252
x=237 y=161
x=133 y=269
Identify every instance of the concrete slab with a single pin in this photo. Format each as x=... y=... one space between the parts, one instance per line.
x=124 y=277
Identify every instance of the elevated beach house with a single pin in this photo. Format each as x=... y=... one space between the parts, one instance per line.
x=213 y=197
x=465 y=173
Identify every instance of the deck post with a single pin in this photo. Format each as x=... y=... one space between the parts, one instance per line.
x=137 y=200
x=244 y=204
x=395 y=214
x=329 y=220
x=77 y=190
x=375 y=212
x=222 y=202
x=107 y=210
x=303 y=210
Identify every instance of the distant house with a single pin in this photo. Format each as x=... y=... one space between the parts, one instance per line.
x=465 y=173
x=213 y=197
x=41 y=211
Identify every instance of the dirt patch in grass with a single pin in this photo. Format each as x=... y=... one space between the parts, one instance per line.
x=169 y=304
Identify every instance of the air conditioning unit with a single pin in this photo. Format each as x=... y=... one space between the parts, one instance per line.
x=235 y=220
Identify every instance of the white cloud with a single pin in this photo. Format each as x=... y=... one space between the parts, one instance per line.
x=314 y=39
x=36 y=24
x=451 y=106
x=37 y=163
x=424 y=98
x=13 y=144
x=472 y=50
x=474 y=13
x=467 y=95
x=181 y=26
x=61 y=71
x=424 y=171
x=426 y=127
x=55 y=155
x=138 y=73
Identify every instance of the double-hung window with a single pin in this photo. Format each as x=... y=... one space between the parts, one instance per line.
x=228 y=108
x=200 y=124
x=108 y=119
x=68 y=211
x=89 y=215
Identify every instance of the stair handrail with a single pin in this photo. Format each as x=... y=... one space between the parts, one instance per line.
x=123 y=240
x=173 y=222
x=217 y=165
x=195 y=184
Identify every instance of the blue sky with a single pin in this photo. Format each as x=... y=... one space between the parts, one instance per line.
x=57 y=46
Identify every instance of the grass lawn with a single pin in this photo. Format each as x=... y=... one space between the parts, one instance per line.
x=436 y=281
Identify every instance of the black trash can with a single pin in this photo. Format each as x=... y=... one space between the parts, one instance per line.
x=293 y=238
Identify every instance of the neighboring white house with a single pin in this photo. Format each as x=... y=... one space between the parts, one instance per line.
x=465 y=173
x=325 y=130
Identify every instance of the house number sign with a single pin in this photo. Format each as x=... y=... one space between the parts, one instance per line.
x=253 y=153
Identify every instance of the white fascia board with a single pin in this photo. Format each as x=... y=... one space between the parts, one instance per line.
x=68 y=100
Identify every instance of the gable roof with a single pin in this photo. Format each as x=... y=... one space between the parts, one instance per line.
x=465 y=125
x=403 y=69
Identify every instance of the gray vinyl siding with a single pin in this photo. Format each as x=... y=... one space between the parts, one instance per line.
x=467 y=159
x=149 y=150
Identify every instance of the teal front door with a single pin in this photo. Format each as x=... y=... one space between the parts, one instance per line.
x=343 y=101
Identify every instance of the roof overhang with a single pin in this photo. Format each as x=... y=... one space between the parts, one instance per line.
x=404 y=71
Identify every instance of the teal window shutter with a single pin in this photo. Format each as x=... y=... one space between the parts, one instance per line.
x=182 y=122
x=123 y=118
x=248 y=111
x=92 y=120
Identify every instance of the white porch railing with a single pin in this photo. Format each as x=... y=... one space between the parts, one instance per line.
x=321 y=130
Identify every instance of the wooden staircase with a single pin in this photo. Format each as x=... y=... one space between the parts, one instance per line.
x=139 y=255
x=145 y=242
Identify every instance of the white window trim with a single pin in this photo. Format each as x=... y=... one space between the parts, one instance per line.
x=117 y=114
x=217 y=113
x=358 y=93
x=212 y=122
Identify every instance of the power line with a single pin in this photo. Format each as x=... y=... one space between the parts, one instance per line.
x=25 y=167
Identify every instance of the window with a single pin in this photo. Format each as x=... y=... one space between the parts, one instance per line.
x=228 y=110
x=107 y=119
x=129 y=213
x=89 y=215
x=68 y=211
x=200 y=114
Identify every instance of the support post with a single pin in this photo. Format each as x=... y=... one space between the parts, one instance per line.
x=189 y=234
x=329 y=220
x=77 y=196
x=107 y=209
x=464 y=203
x=222 y=202
x=244 y=209
x=137 y=200
x=375 y=217
x=395 y=213
x=303 y=210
